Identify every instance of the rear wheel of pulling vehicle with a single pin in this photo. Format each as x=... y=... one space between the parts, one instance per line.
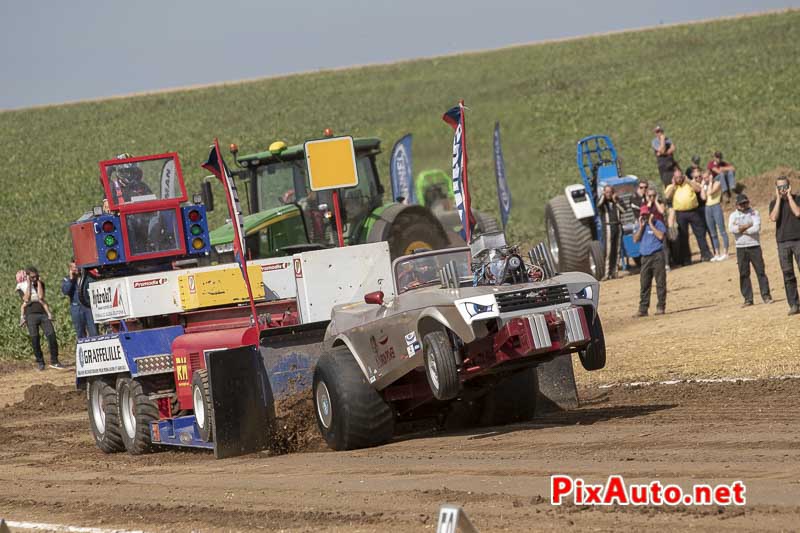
x=201 y=402
x=350 y=413
x=568 y=238
x=597 y=261
x=137 y=410
x=513 y=399
x=593 y=357
x=102 y=404
x=411 y=231
x=440 y=365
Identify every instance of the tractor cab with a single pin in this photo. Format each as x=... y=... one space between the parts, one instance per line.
x=142 y=220
x=286 y=215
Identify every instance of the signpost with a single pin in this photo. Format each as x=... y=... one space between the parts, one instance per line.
x=331 y=164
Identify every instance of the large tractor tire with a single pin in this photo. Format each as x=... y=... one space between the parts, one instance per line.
x=594 y=356
x=408 y=228
x=350 y=413
x=597 y=262
x=569 y=238
x=201 y=402
x=101 y=402
x=485 y=223
x=137 y=410
x=513 y=399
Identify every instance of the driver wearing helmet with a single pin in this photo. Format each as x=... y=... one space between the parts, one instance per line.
x=417 y=272
x=127 y=182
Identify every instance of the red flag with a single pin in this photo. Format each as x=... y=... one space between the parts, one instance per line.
x=216 y=165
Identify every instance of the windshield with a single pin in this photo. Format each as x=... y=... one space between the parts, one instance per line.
x=280 y=184
x=132 y=181
x=423 y=270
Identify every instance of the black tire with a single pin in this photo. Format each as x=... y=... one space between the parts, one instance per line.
x=597 y=260
x=412 y=230
x=569 y=238
x=137 y=410
x=102 y=405
x=485 y=223
x=441 y=369
x=203 y=408
x=594 y=356
x=512 y=399
x=350 y=413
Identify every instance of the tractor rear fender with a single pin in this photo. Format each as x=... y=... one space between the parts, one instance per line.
x=578 y=198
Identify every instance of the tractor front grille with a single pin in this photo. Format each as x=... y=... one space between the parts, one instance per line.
x=508 y=302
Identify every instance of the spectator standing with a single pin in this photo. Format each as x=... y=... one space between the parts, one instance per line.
x=745 y=224
x=649 y=233
x=683 y=194
x=611 y=211
x=696 y=176
x=638 y=198
x=715 y=218
x=36 y=316
x=82 y=319
x=664 y=149
x=659 y=211
x=784 y=211
x=725 y=173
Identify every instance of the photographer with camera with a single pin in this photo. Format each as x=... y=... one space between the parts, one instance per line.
x=649 y=233
x=611 y=211
x=784 y=211
x=745 y=224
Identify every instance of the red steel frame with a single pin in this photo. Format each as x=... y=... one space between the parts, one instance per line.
x=153 y=204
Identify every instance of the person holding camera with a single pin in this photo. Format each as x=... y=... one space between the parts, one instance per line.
x=724 y=173
x=611 y=211
x=784 y=211
x=82 y=319
x=37 y=315
x=664 y=150
x=649 y=233
x=684 y=195
x=745 y=224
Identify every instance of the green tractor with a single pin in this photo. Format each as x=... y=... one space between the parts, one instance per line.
x=287 y=217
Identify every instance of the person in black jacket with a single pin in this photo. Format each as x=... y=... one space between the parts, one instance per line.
x=36 y=316
x=611 y=210
x=82 y=319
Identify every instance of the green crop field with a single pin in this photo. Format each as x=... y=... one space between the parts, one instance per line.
x=732 y=85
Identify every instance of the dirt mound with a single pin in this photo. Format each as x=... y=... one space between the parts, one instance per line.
x=296 y=425
x=761 y=189
x=52 y=399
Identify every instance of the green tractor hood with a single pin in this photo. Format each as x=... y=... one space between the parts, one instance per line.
x=253 y=223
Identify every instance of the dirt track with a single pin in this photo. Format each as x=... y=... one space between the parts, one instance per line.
x=51 y=472
x=713 y=433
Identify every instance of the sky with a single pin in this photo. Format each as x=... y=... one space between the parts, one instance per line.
x=56 y=51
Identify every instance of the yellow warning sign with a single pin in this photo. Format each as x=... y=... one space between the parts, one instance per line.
x=331 y=163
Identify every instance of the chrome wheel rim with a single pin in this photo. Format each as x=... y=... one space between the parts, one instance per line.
x=128 y=415
x=98 y=409
x=324 y=408
x=552 y=241
x=592 y=265
x=199 y=407
x=433 y=373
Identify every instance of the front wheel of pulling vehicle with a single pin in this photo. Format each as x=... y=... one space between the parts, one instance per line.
x=593 y=357
x=102 y=404
x=350 y=413
x=136 y=411
x=440 y=365
x=201 y=403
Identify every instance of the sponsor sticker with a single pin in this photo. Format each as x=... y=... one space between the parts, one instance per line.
x=141 y=284
x=298 y=268
x=192 y=286
x=412 y=344
x=274 y=266
x=107 y=301
x=103 y=355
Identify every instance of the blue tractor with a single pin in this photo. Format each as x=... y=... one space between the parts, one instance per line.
x=574 y=229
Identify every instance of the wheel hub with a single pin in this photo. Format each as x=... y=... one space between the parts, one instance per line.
x=416 y=245
x=128 y=413
x=434 y=374
x=324 y=408
x=552 y=241
x=98 y=410
x=199 y=407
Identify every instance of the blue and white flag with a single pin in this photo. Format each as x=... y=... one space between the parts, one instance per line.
x=455 y=117
x=503 y=193
x=400 y=170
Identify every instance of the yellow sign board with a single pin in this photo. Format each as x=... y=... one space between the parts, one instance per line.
x=218 y=286
x=331 y=163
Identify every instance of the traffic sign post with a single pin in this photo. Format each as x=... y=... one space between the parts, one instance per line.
x=331 y=164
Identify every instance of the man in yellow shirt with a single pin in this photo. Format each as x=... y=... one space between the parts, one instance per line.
x=683 y=194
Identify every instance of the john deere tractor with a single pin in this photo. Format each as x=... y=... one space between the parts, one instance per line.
x=288 y=217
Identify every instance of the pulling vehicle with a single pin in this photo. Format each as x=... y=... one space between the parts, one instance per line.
x=574 y=229
x=461 y=325
x=287 y=216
